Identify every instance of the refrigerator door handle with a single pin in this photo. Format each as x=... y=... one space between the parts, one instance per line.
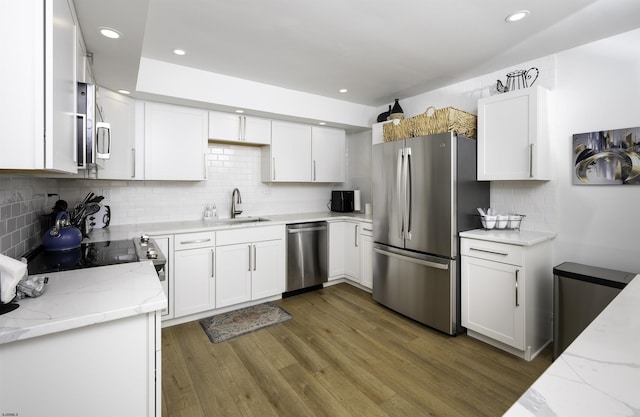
x=408 y=192
x=412 y=260
x=400 y=188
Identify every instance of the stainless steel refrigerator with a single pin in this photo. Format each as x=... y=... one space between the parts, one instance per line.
x=424 y=193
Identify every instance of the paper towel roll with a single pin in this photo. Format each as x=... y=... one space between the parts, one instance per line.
x=11 y=272
x=356 y=200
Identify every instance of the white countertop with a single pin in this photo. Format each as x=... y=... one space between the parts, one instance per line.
x=599 y=373
x=128 y=231
x=512 y=237
x=84 y=297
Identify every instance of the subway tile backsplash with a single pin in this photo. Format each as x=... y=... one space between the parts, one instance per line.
x=230 y=166
x=21 y=208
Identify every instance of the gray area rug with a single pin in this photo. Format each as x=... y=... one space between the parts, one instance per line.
x=229 y=325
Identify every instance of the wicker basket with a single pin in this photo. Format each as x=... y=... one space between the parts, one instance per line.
x=397 y=130
x=447 y=119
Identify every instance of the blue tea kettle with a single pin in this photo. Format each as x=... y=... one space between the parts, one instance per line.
x=62 y=236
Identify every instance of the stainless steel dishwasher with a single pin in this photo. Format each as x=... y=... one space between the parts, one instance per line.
x=307 y=266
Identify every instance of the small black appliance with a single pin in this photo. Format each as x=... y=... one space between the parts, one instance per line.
x=342 y=201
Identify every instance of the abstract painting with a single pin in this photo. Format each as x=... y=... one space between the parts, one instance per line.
x=607 y=157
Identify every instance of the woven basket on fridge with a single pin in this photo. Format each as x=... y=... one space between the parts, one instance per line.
x=397 y=130
x=447 y=119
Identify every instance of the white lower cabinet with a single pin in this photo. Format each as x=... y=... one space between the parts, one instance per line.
x=366 y=256
x=194 y=273
x=250 y=264
x=506 y=293
x=350 y=252
x=72 y=371
x=336 y=250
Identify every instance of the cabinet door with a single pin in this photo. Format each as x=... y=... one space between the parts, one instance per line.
x=336 y=250
x=61 y=86
x=233 y=274
x=290 y=152
x=352 y=250
x=224 y=126
x=256 y=130
x=493 y=300
x=268 y=277
x=175 y=140
x=38 y=86
x=194 y=281
x=327 y=150
x=512 y=136
x=119 y=111
x=366 y=259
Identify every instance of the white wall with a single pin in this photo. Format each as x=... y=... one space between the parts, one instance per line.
x=598 y=89
x=594 y=87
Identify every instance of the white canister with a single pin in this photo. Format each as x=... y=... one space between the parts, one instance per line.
x=356 y=200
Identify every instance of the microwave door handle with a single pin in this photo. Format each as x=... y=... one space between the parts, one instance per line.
x=399 y=189
x=76 y=157
x=105 y=128
x=408 y=193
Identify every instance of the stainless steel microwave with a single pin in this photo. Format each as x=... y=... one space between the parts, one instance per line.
x=94 y=135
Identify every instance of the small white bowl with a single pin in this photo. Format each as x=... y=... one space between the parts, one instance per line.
x=489 y=222
x=502 y=221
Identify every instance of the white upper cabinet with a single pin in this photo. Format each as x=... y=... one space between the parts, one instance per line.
x=119 y=111
x=513 y=136
x=228 y=127
x=327 y=150
x=38 y=82
x=175 y=141
x=303 y=153
x=288 y=159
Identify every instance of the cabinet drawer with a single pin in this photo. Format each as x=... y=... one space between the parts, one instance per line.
x=366 y=229
x=194 y=240
x=493 y=251
x=250 y=234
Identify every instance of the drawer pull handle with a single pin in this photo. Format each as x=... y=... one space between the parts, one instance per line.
x=213 y=264
x=188 y=242
x=517 y=302
x=489 y=251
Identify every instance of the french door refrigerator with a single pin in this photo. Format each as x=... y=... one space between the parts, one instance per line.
x=424 y=193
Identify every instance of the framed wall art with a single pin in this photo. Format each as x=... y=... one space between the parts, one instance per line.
x=607 y=157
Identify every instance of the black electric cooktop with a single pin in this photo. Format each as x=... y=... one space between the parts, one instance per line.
x=88 y=255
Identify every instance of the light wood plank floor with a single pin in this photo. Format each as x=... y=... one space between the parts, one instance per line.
x=341 y=355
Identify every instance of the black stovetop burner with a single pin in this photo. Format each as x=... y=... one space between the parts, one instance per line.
x=88 y=255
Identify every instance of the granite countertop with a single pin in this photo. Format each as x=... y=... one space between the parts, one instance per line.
x=128 y=231
x=599 y=373
x=512 y=237
x=83 y=297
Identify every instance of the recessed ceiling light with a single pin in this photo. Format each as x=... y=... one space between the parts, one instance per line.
x=127 y=92
x=109 y=33
x=322 y=123
x=343 y=90
x=179 y=52
x=239 y=111
x=519 y=15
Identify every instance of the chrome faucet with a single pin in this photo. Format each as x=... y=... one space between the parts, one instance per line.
x=235 y=200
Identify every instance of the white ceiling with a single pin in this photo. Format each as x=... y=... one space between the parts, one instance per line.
x=377 y=49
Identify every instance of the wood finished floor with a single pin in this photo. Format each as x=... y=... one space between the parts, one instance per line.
x=341 y=355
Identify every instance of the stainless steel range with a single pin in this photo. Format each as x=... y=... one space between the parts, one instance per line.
x=94 y=254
